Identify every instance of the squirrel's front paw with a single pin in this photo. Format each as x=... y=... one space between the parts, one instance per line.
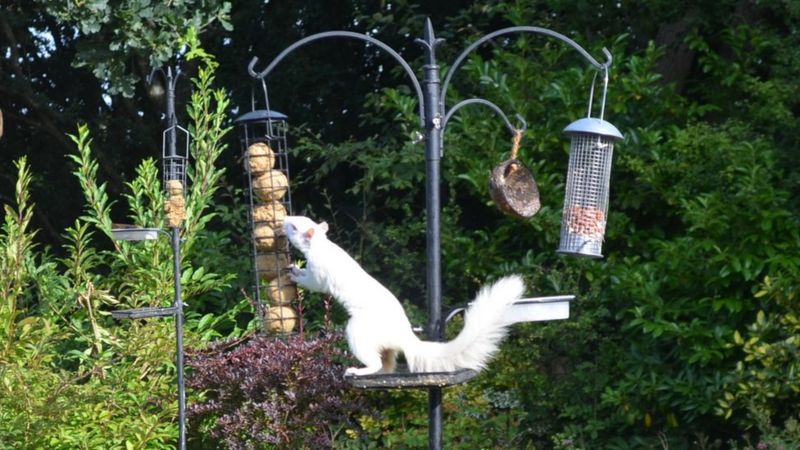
x=295 y=273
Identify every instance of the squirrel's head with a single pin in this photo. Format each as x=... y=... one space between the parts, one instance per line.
x=302 y=230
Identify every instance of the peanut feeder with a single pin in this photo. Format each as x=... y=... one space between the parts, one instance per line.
x=583 y=223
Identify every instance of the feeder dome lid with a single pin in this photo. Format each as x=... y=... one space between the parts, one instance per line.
x=593 y=125
x=260 y=115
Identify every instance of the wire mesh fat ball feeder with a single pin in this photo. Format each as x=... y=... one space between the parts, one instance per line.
x=175 y=159
x=583 y=221
x=266 y=165
x=175 y=156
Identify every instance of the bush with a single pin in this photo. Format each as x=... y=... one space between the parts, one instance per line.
x=272 y=392
x=70 y=375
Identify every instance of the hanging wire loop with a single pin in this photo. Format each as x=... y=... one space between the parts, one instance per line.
x=479 y=101
x=343 y=34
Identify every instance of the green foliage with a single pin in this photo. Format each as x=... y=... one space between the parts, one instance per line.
x=120 y=29
x=683 y=336
x=15 y=260
x=72 y=377
x=765 y=383
x=272 y=392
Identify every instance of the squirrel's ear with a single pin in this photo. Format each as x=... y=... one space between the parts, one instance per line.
x=309 y=233
x=323 y=227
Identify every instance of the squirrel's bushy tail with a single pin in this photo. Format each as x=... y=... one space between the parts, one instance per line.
x=484 y=327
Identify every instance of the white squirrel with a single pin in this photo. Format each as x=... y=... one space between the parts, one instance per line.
x=378 y=327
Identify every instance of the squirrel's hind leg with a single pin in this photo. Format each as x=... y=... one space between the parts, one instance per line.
x=359 y=371
x=373 y=366
x=388 y=360
x=384 y=364
x=367 y=343
x=369 y=357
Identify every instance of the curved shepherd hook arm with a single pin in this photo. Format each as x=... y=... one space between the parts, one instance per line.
x=522 y=29
x=491 y=106
x=343 y=34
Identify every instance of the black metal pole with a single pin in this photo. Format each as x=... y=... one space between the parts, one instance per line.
x=433 y=154
x=171 y=119
x=176 y=260
x=178 y=303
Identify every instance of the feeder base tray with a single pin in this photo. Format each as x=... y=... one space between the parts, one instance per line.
x=143 y=313
x=402 y=379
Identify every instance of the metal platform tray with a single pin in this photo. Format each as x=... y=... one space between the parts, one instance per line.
x=143 y=313
x=402 y=379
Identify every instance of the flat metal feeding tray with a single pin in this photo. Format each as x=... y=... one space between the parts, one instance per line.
x=143 y=313
x=402 y=379
x=123 y=232
x=539 y=309
x=535 y=309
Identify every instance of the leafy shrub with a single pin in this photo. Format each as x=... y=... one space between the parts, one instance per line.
x=71 y=376
x=272 y=392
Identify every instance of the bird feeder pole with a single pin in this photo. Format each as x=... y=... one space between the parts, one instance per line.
x=433 y=117
x=171 y=174
x=174 y=175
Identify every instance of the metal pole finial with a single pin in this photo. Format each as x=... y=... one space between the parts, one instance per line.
x=429 y=41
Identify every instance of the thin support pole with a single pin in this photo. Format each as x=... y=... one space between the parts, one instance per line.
x=435 y=418
x=433 y=153
x=178 y=304
x=171 y=119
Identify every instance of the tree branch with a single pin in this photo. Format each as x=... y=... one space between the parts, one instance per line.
x=13 y=45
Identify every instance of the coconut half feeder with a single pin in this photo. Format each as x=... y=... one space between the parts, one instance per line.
x=512 y=186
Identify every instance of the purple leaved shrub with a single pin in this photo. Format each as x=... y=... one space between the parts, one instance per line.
x=272 y=392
